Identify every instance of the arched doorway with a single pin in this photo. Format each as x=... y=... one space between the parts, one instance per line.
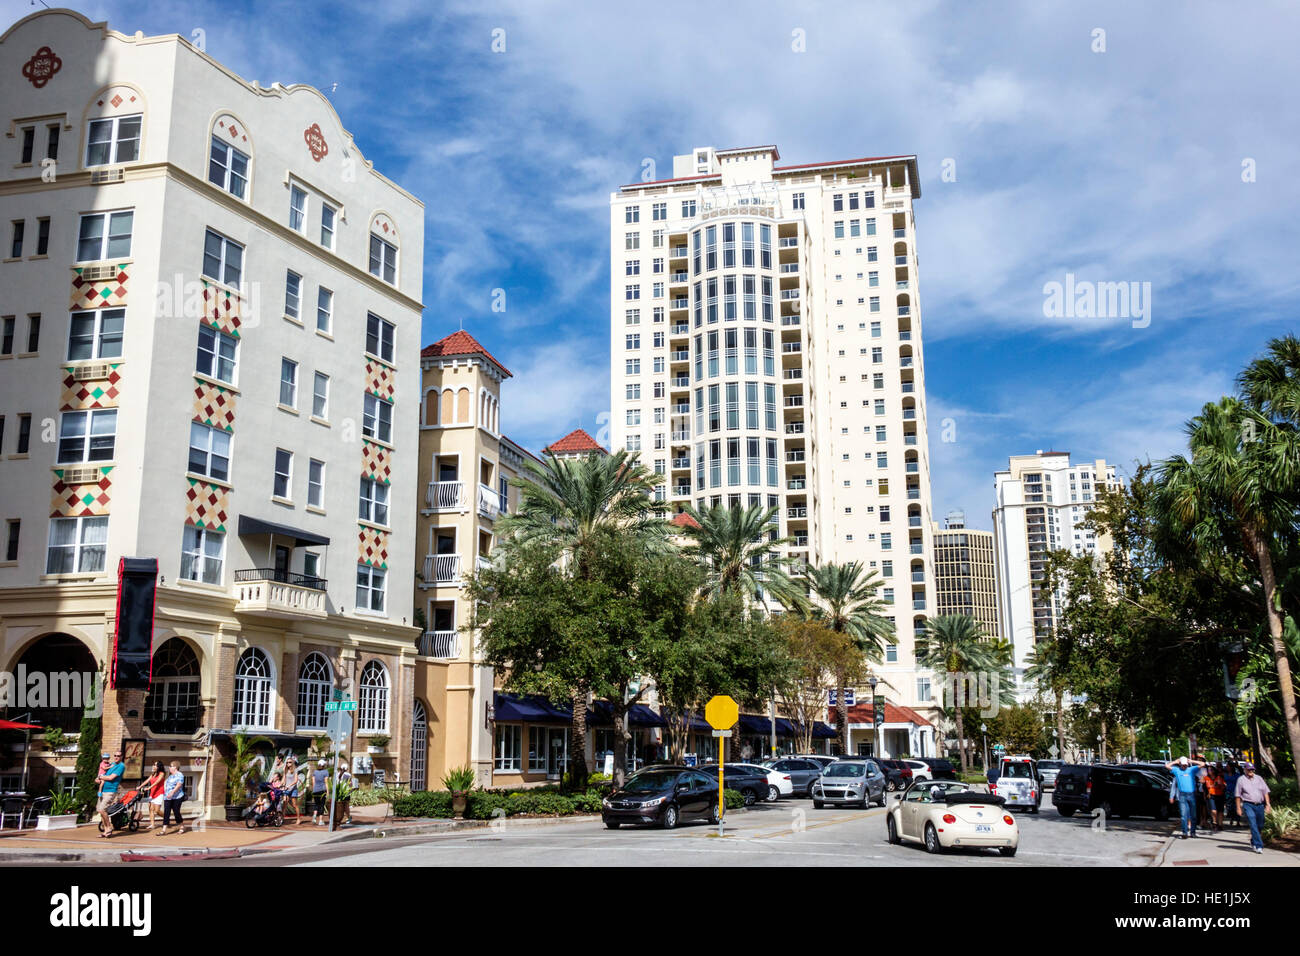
x=56 y=672
x=172 y=706
x=419 y=747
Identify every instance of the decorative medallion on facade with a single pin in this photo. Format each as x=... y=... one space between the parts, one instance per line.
x=231 y=129
x=99 y=287
x=315 y=141
x=384 y=226
x=376 y=461
x=214 y=405
x=40 y=69
x=207 y=505
x=380 y=380
x=222 y=309
x=76 y=499
x=372 y=547
x=89 y=386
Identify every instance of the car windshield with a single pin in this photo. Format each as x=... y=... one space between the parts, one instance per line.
x=936 y=791
x=845 y=770
x=1020 y=770
x=650 y=782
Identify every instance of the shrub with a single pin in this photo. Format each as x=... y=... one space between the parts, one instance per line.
x=1282 y=823
x=734 y=799
x=88 y=763
x=427 y=803
x=459 y=779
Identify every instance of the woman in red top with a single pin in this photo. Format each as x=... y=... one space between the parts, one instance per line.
x=154 y=787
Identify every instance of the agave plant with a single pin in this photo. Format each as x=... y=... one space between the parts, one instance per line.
x=459 y=779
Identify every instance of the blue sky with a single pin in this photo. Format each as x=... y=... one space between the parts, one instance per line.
x=1122 y=165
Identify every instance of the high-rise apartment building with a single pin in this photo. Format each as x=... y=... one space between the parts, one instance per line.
x=766 y=348
x=217 y=300
x=1040 y=501
x=965 y=574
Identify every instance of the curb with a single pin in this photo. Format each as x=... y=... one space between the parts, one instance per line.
x=424 y=829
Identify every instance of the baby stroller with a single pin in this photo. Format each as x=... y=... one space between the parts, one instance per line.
x=124 y=813
x=267 y=811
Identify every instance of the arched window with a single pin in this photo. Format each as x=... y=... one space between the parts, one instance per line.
x=419 y=746
x=252 y=691
x=431 y=401
x=172 y=706
x=315 y=684
x=372 y=705
x=462 y=407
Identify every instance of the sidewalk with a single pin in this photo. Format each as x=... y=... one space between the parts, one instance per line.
x=1228 y=847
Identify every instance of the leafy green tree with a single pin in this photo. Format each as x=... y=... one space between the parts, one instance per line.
x=954 y=645
x=89 y=743
x=736 y=547
x=817 y=656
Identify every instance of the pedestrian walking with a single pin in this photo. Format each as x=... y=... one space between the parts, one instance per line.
x=1230 y=778
x=1186 y=779
x=109 y=780
x=1253 y=803
x=291 y=783
x=154 y=788
x=1215 y=790
x=319 y=808
x=173 y=795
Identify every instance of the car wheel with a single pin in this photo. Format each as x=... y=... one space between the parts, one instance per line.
x=670 y=817
x=817 y=804
x=612 y=824
x=932 y=844
x=750 y=798
x=1007 y=850
x=1108 y=810
x=1065 y=811
x=891 y=831
x=713 y=815
x=773 y=794
x=890 y=786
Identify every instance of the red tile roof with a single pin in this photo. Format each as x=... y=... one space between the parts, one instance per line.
x=683 y=520
x=576 y=441
x=894 y=714
x=460 y=343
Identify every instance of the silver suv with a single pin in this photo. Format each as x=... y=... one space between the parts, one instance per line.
x=849 y=782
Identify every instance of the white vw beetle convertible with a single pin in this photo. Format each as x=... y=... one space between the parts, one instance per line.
x=944 y=813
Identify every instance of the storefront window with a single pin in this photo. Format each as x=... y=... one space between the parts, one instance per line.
x=509 y=741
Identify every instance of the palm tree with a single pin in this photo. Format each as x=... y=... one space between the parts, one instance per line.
x=1047 y=668
x=574 y=503
x=736 y=549
x=846 y=599
x=954 y=645
x=1240 y=484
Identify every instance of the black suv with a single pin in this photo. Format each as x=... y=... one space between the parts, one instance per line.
x=940 y=769
x=1120 y=790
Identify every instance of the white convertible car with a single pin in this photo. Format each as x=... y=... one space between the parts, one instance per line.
x=944 y=813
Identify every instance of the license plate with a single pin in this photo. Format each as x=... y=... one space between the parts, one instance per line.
x=983 y=828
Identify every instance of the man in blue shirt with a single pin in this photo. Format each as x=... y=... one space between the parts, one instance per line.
x=110 y=780
x=1186 y=780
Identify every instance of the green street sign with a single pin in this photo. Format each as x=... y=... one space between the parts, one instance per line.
x=334 y=705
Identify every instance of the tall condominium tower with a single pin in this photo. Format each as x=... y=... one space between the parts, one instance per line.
x=1040 y=501
x=766 y=348
x=965 y=575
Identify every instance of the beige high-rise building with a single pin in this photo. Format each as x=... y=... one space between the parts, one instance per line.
x=965 y=574
x=766 y=348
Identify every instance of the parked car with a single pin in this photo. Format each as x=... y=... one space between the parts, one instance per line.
x=803 y=772
x=920 y=769
x=750 y=784
x=1121 y=790
x=822 y=760
x=943 y=813
x=778 y=784
x=1048 y=769
x=850 y=782
x=940 y=769
x=897 y=774
x=1017 y=781
x=662 y=795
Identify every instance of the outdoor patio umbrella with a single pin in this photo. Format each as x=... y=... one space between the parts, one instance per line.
x=27 y=741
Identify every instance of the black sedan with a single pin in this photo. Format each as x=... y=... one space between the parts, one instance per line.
x=665 y=796
x=748 y=783
x=803 y=772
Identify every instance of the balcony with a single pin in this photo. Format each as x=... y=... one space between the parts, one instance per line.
x=900 y=260
x=799 y=512
x=681 y=408
x=441 y=568
x=445 y=495
x=794 y=401
x=909 y=439
x=900 y=233
x=172 y=720
x=681 y=381
x=789 y=320
x=794 y=428
x=270 y=593
x=681 y=302
x=904 y=336
x=678 y=252
x=913 y=468
x=682 y=464
x=908 y=388
x=904 y=310
x=909 y=414
x=902 y=284
x=914 y=494
x=444 y=645
x=789 y=347
x=489 y=502
x=787 y=294
x=905 y=361
x=796 y=484
x=797 y=455
x=789 y=267
x=788 y=242
x=914 y=521
x=792 y=373
x=677 y=278
x=681 y=328
x=679 y=355
x=916 y=549
x=918 y=577
x=800 y=541
x=918 y=605
x=681 y=436
x=681 y=490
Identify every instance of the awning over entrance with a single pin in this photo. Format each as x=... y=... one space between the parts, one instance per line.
x=638 y=715
x=517 y=708
x=278 y=741
x=254 y=526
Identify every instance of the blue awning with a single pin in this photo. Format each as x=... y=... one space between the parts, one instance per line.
x=518 y=708
x=752 y=724
x=823 y=731
x=638 y=715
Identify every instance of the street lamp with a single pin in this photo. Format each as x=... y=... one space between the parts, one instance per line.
x=875 y=733
x=984 y=732
x=1101 y=749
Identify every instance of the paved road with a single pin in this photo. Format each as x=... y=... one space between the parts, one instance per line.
x=790 y=833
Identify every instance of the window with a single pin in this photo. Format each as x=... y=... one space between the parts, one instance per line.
x=282 y=486
x=228 y=168
x=216 y=352
x=315 y=687
x=797 y=201
x=377 y=419
x=7 y=335
x=87 y=436
x=379 y=337
x=632 y=214
x=33 y=333
x=105 y=235
x=13 y=530
x=223 y=259
x=508 y=749
x=324 y=310
x=327 y=216
x=43 y=236
x=891 y=653
x=383 y=259
x=373 y=501
x=320 y=393
x=316 y=483
x=370 y=588
x=297 y=208
x=201 y=555
x=252 y=705
x=688 y=208
x=24 y=433
x=115 y=139
x=16 y=246
x=293 y=295
x=76 y=545
x=29 y=145
x=658 y=211
x=288 y=383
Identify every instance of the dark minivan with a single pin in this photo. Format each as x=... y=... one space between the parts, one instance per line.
x=663 y=795
x=1120 y=790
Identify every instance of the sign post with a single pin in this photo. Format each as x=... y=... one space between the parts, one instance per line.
x=338 y=726
x=722 y=713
